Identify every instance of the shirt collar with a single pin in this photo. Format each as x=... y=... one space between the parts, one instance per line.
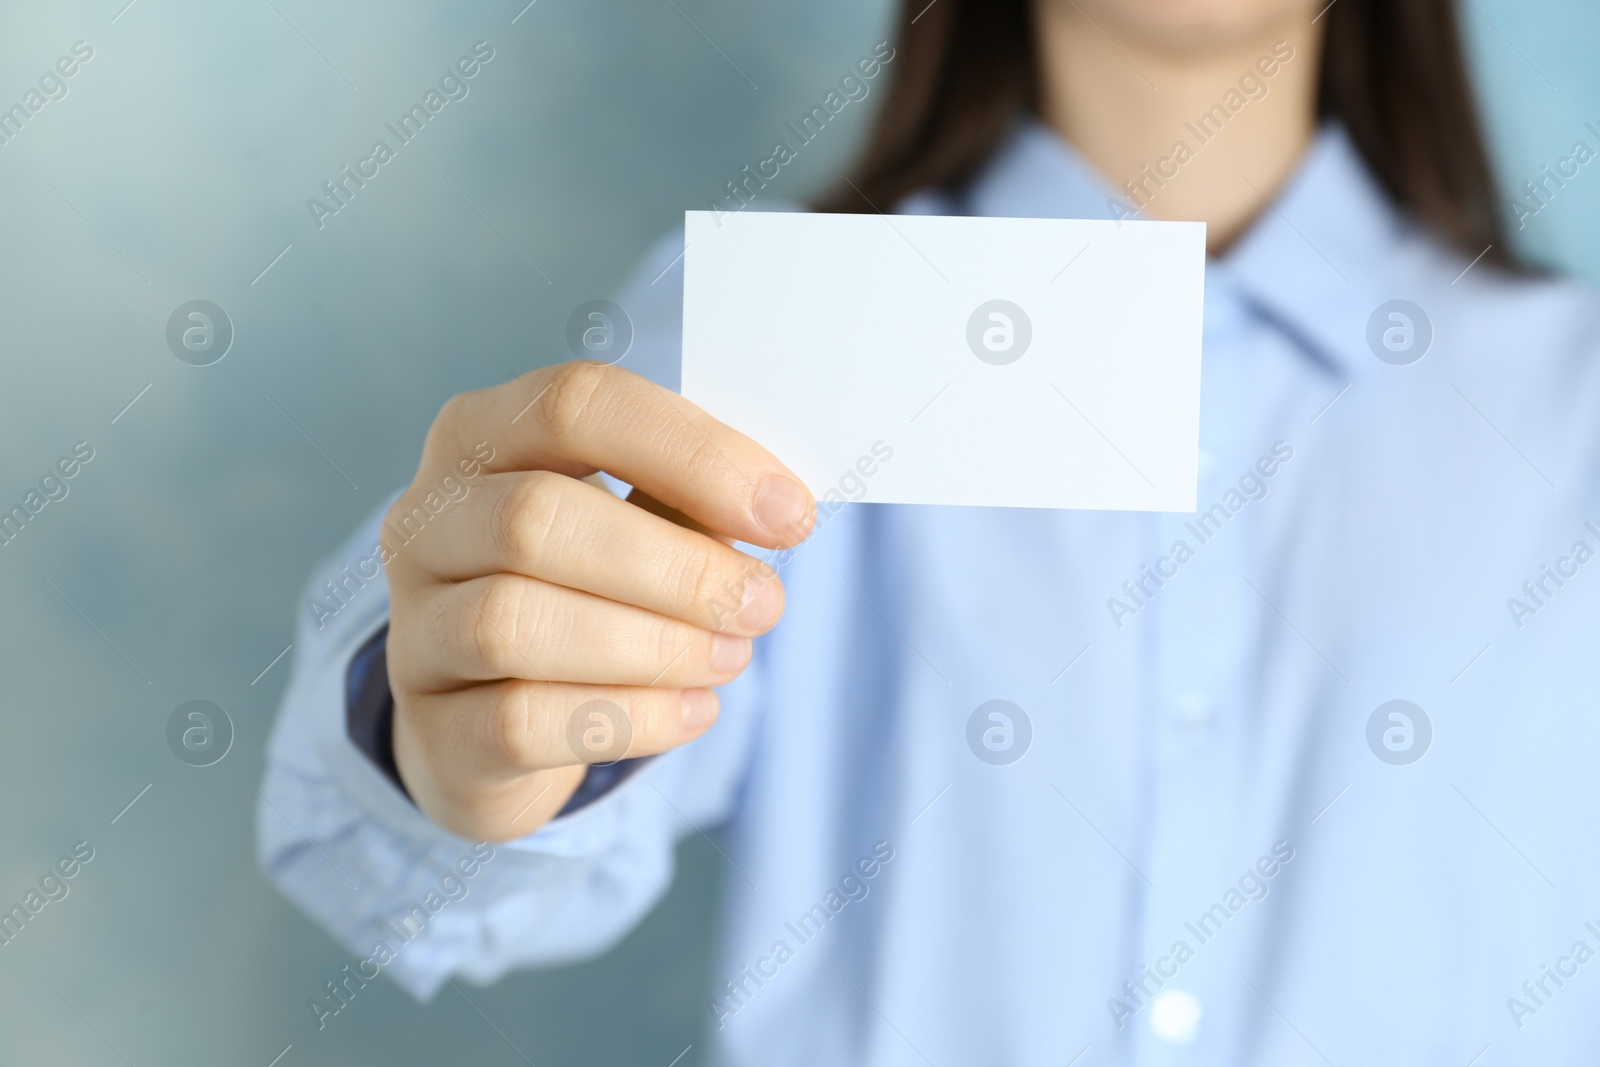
x=1316 y=262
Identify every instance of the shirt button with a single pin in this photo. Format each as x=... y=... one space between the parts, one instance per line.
x=1174 y=1015
x=1192 y=709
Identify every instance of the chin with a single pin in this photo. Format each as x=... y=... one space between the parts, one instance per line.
x=1201 y=24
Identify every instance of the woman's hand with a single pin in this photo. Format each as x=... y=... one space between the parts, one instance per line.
x=539 y=623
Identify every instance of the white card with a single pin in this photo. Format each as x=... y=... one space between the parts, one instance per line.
x=1050 y=363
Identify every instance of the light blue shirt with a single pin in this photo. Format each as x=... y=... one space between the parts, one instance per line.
x=1199 y=832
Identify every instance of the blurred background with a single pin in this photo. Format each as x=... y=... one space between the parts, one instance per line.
x=174 y=165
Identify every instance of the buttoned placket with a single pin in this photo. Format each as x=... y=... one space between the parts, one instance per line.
x=1197 y=639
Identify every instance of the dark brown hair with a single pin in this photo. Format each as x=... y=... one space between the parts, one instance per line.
x=1392 y=72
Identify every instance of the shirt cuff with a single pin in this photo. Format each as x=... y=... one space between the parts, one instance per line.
x=369 y=706
x=369 y=723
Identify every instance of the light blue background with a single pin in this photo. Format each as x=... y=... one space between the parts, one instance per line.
x=189 y=144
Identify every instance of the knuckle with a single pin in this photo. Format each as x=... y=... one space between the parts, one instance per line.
x=568 y=398
x=671 y=642
x=451 y=411
x=693 y=576
x=493 y=624
x=524 y=518
x=508 y=734
x=453 y=414
x=702 y=457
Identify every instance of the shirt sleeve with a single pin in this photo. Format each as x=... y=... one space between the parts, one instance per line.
x=345 y=844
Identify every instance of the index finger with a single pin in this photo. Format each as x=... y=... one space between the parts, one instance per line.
x=577 y=418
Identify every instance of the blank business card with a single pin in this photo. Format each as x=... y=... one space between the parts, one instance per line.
x=1039 y=363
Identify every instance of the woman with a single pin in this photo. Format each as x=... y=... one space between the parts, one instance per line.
x=1031 y=786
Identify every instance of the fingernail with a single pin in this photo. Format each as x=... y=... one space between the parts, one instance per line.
x=729 y=654
x=699 y=708
x=763 y=603
x=782 y=506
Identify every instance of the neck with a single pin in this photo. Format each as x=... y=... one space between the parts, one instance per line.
x=1202 y=135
